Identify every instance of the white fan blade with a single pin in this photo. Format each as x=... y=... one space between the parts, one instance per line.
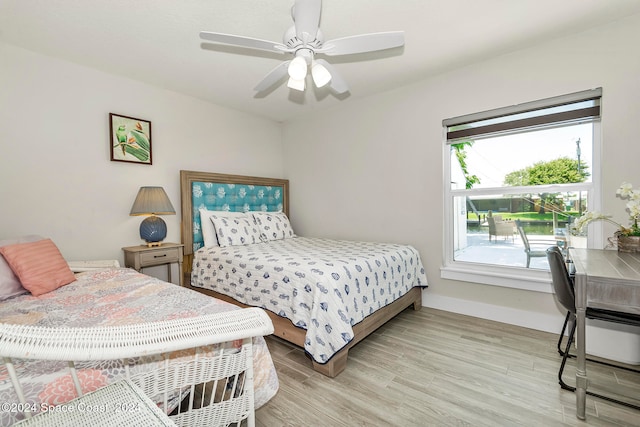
x=306 y=17
x=273 y=77
x=337 y=83
x=363 y=43
x=249 y=42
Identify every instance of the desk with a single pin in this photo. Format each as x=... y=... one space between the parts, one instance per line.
x=604 y=279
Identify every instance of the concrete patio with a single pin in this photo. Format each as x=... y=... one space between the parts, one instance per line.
x=504 y=251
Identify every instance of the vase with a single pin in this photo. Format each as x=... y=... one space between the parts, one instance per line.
x=629 y=243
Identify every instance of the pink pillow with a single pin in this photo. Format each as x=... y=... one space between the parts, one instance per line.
x=39 y=266
x=9 y=284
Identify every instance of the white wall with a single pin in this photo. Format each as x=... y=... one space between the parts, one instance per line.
x=369 y=169
x=372 y=168
x=56 y=178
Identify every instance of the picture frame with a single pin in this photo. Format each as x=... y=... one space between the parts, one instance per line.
x=130 y=139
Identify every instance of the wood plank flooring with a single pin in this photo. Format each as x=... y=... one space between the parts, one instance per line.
x=435 y=368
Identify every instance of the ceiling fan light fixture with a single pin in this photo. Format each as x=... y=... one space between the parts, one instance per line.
x=298 y=68
x=297 y=84
x=304 y=40
x=321 y=76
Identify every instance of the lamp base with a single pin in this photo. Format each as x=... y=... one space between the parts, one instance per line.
x=153 y=244
x=153 y=230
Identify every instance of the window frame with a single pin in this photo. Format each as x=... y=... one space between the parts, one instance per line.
x=509 y=276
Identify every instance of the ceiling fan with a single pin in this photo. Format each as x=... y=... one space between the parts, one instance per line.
x=305 y=41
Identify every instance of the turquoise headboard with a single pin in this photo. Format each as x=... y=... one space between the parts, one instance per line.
x=220 y=192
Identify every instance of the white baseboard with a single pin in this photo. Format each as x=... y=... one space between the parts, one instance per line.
x=604 y=339
x=511 y=316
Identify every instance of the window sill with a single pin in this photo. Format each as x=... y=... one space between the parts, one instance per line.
x=508 y=277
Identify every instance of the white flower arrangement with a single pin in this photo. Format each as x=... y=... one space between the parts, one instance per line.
x=627 y=192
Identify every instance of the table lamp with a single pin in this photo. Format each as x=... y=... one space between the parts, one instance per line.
x=152 y=201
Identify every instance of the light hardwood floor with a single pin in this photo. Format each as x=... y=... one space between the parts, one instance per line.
x=435 y=368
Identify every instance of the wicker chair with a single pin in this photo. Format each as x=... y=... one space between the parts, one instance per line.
x=215 y=386
x=499 y=227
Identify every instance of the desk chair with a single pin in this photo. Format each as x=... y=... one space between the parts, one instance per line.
x=565 y=295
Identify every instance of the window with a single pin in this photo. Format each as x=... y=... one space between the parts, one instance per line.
x=517 y=177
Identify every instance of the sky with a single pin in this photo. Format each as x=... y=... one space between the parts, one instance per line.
x=493 y=158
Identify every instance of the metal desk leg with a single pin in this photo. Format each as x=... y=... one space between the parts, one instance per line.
x=581 y=371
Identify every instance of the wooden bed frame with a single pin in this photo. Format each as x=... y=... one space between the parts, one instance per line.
x=283 y=327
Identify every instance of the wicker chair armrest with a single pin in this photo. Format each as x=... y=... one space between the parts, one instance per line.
x=81 y=266
x=115 y=342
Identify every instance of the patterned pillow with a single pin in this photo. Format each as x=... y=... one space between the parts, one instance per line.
x=207 y=228
x=233 y=231
x=39 y=266
x=274 y=225
x=9 y=284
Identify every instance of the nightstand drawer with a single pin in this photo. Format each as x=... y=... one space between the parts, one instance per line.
x=142 y=256
x=161 y=255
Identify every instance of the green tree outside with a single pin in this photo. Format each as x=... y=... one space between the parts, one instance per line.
x=461 y=155
x=562 y=170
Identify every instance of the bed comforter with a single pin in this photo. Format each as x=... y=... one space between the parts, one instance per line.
x=324 y=286
x=103 y=298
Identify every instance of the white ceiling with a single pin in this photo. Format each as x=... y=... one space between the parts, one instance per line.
x=157 y=41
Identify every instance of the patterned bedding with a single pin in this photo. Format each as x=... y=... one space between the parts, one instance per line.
x=321 y=285
x=103 y=298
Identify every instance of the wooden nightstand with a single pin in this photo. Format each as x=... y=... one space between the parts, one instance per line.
x=138 y=257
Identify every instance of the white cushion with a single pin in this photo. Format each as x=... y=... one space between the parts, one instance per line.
x=235 y=230
x=208 y=230
x=274 y=225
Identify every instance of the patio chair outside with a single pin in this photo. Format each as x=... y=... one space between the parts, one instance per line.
x=533 y=248
x=500 y=227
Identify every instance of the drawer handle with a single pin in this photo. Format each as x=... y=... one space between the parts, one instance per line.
x=160 y=256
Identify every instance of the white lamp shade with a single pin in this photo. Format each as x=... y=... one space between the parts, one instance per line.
x=298 y=68
x=296 y=84
x=321 y=76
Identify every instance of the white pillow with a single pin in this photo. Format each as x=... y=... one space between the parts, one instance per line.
x=235 y=230
x=274 y=225
x=208 y=230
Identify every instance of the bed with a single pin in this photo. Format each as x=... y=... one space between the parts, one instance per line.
x=104 y=298
x=322 y=295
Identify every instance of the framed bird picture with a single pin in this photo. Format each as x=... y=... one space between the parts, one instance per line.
x=130 y=139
